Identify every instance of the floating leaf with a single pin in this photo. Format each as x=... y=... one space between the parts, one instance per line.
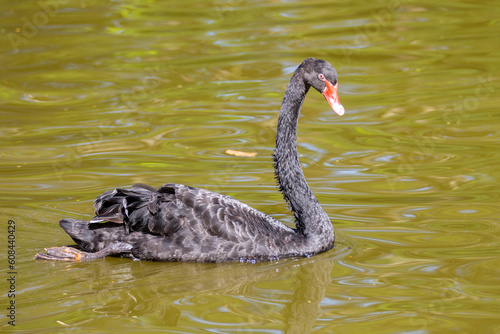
x=241 y=154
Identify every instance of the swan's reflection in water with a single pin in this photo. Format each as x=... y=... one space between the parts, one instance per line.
x=230 y=297
x=304 y=309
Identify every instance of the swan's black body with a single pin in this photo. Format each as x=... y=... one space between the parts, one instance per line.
x=181 y=223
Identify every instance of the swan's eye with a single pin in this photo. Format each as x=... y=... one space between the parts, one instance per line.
x=321 y=76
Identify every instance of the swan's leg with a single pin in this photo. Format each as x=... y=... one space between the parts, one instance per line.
x=73 y=254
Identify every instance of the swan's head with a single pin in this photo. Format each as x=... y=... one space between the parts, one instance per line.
x=323 y=77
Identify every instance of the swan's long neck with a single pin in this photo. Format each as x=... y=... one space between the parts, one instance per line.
x=311 y=220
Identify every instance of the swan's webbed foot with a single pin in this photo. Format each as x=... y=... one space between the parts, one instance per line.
x=63 y=254
x=66 y=253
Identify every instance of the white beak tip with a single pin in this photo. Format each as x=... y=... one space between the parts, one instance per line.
x=339 y=109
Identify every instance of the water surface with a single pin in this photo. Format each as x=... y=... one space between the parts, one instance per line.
x=96 y=95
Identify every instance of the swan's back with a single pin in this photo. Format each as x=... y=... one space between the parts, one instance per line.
x=175 y=206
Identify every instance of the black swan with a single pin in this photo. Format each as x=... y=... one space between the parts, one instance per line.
x=182 y=223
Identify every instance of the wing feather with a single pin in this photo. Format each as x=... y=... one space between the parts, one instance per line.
x=173 y=207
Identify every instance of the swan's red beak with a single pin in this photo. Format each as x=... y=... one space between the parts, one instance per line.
x=332 y=96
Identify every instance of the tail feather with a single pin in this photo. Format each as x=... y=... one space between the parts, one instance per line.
x=93 y=237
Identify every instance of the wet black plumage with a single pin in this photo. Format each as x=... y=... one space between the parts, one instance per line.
x=182 y=223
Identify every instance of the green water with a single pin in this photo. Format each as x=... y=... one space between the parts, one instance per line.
x=100 y=94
